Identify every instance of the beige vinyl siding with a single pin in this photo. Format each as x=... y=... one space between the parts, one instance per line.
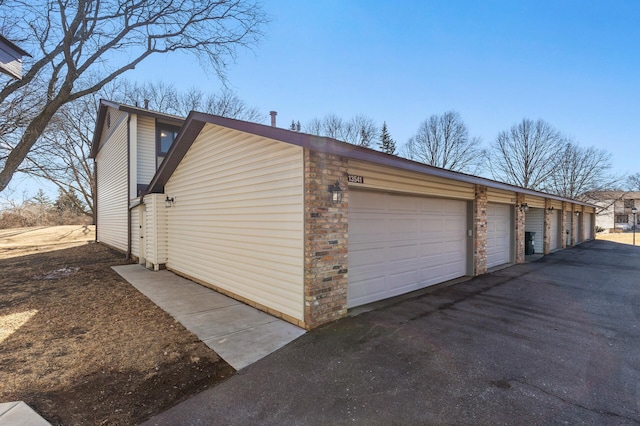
x=146 y=149
x=395 y=180
x=238 y=218
x=533 y=201
x=557 y=205
x=135 y=230
x=113 y=200
x=500 y=196
x=116 y=118
x=156 y=229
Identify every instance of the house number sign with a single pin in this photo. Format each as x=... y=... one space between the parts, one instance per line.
x=355 y=179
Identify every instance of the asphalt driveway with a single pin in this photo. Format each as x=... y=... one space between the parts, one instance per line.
x=555 y=341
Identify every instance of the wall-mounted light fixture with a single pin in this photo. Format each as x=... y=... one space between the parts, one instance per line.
x=577 y=213
x=169 y=201
x=336 y=193
x=524 y=207
x=550 y=208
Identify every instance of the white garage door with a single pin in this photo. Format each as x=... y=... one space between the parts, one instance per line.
x=589 y=226
x=554 y=237
x=400 y=243
x=498 y=234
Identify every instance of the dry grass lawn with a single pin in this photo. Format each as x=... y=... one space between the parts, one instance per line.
x=620 y=237
x=82 y=346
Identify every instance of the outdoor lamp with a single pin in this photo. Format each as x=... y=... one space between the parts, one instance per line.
x=524 y=207
x=550 y=208
x=336 y=193
x=577 y=213
x=168 y=202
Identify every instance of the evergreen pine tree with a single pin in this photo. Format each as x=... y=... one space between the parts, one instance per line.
x=387 y=144
x=41 y=198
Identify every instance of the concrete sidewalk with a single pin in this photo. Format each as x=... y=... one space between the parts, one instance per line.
x=240 y=334
x=18 y=413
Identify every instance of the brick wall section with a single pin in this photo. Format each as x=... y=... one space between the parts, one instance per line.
x=326 y=239
x=480 y=231
x=546 y=243
x=519 y=222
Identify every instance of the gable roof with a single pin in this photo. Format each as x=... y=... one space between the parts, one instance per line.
x=11 y=58
x=613 y=195
x=196 y=121
x=102 y=115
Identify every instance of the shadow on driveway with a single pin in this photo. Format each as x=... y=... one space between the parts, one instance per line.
x=548 y=342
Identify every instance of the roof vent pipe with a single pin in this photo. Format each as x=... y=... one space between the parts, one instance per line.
x=273 y=118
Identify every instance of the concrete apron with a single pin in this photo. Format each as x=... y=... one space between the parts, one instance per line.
x=240 y=334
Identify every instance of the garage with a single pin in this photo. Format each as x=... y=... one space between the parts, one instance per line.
x=401 y=243
x=589 y=226
x=498 y=234
x=534 y=222
x=555 y=237
x=568 y=227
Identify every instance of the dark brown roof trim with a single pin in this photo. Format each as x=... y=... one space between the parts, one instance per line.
x=102 y=114
x=14 y=46
x=196 y=121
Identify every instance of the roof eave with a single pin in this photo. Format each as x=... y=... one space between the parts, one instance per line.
x=197 y=120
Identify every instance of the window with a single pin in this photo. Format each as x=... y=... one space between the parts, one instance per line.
x=629 y=204
x=622 y=218
x=165 y=135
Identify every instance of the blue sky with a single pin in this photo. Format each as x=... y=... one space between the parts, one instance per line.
x=574 y=64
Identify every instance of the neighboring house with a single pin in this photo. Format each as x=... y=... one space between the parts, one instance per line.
x=301 y=226
x=11 y=58
x=614 y=210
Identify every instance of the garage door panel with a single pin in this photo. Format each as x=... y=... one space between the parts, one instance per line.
x=430 y=205
x=366 y=257
x=369 y=289
x=554 y=236
x=418 y=242
x=403 y=225
x=498 y=234
x=403 y=280
x=403 y=252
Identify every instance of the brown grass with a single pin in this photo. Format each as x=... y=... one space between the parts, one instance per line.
x=620 y=237
x=80 y=345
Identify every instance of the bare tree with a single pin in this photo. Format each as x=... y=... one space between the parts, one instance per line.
x=581 y=170
x=61 y=156
x=359 y=130
x=80 y=46
x=527 y=154
x=633 y=182
x=167 y=99
x=444 y=141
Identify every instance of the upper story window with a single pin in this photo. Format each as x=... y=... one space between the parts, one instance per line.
x=165 y=135
x=629 y=204
x=622 y=218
